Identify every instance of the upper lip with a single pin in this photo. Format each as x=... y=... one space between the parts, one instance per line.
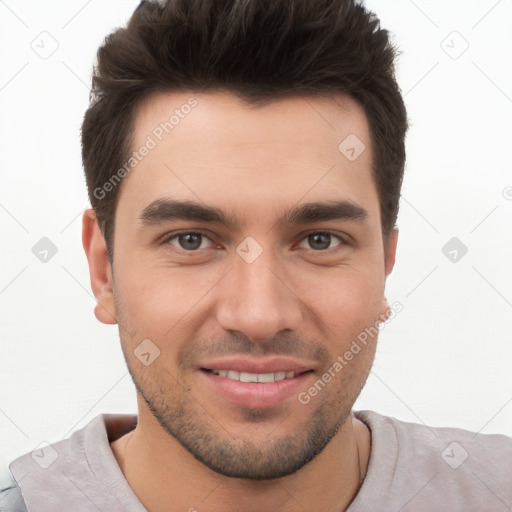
x=263 y=365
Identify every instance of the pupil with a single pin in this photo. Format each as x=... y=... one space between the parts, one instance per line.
x=190 y=241
x=322 y=239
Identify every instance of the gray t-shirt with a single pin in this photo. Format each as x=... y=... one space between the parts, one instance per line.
x=412 y=467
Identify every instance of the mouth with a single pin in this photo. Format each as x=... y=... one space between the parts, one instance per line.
x=256 y=384
x=252 y=377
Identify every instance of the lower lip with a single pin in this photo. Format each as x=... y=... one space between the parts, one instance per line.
x=257 y=395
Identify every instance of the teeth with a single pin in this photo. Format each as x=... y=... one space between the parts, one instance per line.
x=248 y=377
x=254 y=377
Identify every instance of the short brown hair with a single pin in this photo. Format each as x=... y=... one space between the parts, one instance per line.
x=260 y=50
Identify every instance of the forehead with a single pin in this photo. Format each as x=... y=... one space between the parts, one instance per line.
x=216 y=118
x=217 y=149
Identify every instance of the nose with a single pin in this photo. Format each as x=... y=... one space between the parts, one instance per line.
x=258 y=299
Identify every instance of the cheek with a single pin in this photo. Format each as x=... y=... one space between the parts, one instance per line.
x=346 y=301
x=156 y=303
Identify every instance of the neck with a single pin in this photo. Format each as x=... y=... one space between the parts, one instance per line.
x=166 y=477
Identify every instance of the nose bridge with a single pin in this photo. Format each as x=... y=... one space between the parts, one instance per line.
x=256 y=300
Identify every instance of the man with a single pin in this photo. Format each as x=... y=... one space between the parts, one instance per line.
x=244 y=163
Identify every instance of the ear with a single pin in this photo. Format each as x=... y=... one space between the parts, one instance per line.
x=390 y=251
x=100 y=269
x=389 y=263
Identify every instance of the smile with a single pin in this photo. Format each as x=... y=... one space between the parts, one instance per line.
x=255 y=389
x=253 y=377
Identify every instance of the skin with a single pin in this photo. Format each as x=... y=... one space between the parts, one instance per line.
x=308 y=304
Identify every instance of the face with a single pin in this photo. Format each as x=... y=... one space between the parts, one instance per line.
x=248 y=255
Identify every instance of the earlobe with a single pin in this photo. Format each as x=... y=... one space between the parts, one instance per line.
x=100 y=269
x=385 y=311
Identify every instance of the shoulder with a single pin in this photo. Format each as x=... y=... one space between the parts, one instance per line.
x=448 y=467
x=489 y=449
x=11 y=499
x=72 y=471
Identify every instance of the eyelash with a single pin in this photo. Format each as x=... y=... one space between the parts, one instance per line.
x=342 y=241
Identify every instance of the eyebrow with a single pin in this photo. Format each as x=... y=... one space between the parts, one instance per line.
x=164 y=210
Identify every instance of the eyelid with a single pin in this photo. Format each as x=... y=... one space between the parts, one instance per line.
x=173 y=234
x=342 y=237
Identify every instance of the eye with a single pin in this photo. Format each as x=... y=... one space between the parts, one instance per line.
x=189 y=241
x=321 y=241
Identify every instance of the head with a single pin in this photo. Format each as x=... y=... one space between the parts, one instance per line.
x=244 y=162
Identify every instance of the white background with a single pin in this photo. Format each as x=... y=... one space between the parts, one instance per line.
x=445 y=360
